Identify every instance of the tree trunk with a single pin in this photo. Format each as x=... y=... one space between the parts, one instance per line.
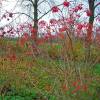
x=91 y=20
x=90 y=28
x=35 y=20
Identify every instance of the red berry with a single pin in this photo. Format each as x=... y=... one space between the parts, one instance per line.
x=89 y=13
x=66 y=4
x=55 y=9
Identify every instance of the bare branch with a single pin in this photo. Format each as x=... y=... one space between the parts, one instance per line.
x=40 y=11
x=32 y=2
x=96 y=5
x=48 y=12
x=41 y=2
x=24 y=14
x=97 y=15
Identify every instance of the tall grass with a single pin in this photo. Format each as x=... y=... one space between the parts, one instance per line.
x=51 y=74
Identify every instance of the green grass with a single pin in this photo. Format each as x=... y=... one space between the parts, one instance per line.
x=97 y=69
x=42 y=77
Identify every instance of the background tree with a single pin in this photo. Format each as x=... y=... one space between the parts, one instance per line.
x=93 y=4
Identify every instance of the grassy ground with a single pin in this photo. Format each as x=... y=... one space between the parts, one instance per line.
x=47 y=76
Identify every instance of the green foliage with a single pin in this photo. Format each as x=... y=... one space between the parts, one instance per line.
x=54 y=51
x=96 y=70
x=42 y=78
x=79 y=51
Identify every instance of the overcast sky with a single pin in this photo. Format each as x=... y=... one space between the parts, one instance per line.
x=14 y=6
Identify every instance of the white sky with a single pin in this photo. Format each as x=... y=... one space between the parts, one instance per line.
x=10 y=6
